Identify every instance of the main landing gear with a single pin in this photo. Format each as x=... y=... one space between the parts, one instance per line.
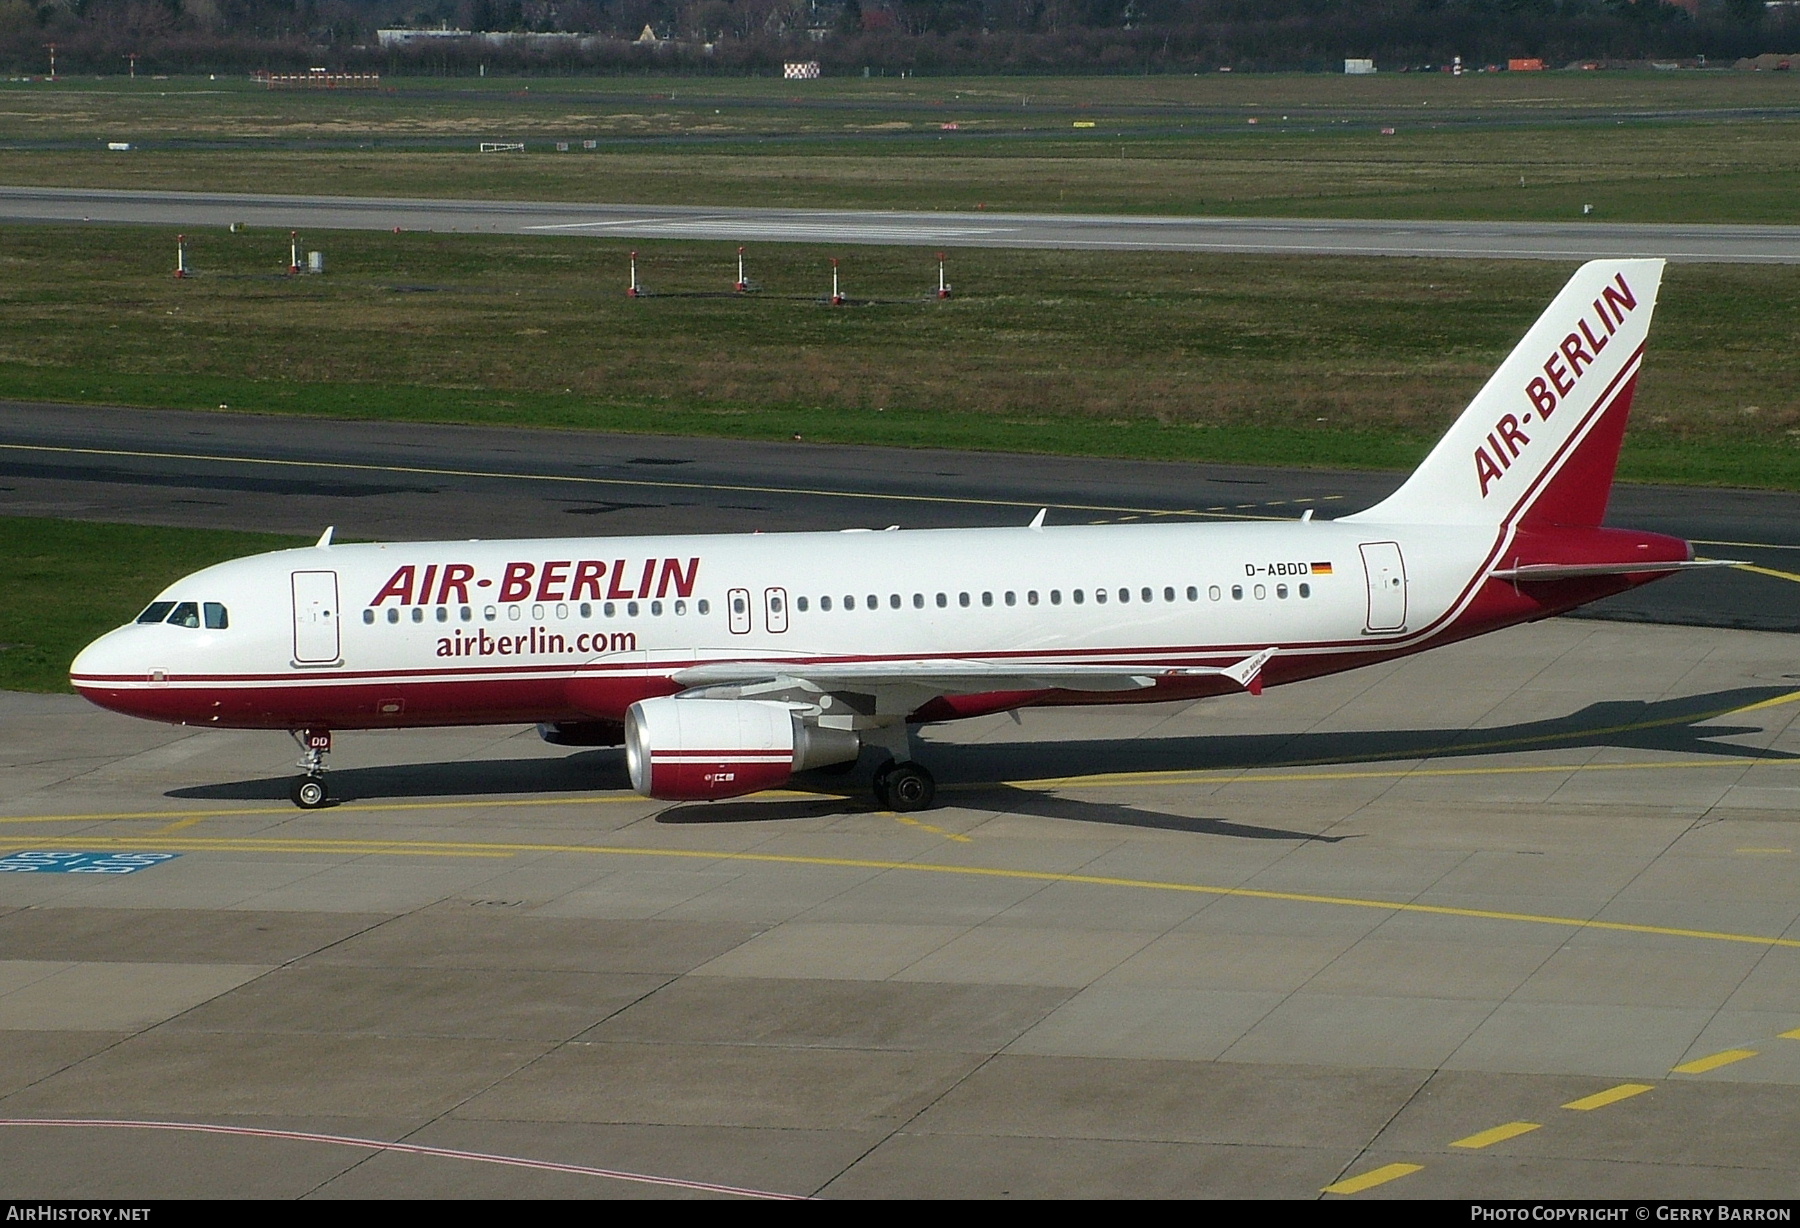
x=904 y=787
x=309 y=791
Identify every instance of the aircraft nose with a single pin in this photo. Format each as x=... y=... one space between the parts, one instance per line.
x=119 y=672
x=106 y=658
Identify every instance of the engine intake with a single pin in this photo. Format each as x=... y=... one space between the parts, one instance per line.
x=683 y=750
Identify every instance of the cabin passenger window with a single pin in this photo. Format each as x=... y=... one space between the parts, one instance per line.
x=418 y=614
x=825 y=604
x=894 y=601
x=1012 y=599
x=631 y=608
x=1306 y=590
x=609 y=609
x=1099 y=596
x=1124 y=594
x=467 y=613
x=918 y=601
x=656 y=607
x=1055 y=596
x=156 y=611
x=1212 y=594
x=1281 y=591
x=962 y=599
x=738 y=606
x=1261 y=592
x=187 y=614
x=489 y=612
x=1077 y=596
x=443 y=613
x=874 y=602
x=849 y=602
x=537 y=613
x=393 y=615
x=587 y=609
x=681 y=607
x=216 y=618
x=1237 y=592
x=514 y=612
x=942 y=601
x=1031 y=597
x=562 y=611
x=703 y=605
x=1193 y=594
x=800 y=604
x=368 y=616
x=987 y=599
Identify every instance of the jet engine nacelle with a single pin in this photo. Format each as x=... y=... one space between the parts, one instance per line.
x=683 y=750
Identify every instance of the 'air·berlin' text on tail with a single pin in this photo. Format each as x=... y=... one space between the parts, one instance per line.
x=1538 y=445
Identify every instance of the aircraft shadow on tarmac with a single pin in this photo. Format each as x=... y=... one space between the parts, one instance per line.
x=1670 y=726
x=1000 y=798
x=980 y=772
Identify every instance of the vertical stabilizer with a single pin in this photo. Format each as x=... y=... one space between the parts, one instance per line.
x=1538 y=445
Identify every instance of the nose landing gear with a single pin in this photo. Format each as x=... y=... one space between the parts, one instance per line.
x=309 y=792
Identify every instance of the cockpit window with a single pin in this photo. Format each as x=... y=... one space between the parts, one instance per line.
x=187 y=614
x=156 y=611
x=216 y=617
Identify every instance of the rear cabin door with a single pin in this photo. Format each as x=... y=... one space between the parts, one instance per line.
x=316 y=617
x=1386 y=572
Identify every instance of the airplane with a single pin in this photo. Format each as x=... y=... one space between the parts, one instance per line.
x=725 y=664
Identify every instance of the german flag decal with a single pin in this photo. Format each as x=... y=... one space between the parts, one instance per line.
x=1320 y=569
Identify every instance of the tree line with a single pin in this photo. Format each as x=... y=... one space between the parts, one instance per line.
x=882 y=36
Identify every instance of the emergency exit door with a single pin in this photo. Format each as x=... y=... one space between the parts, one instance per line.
x=775 y=613
x=316 y=617
x=1386 y=572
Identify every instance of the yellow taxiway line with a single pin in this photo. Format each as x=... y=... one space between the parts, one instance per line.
x=1219 y=513
x=1498 y=1134
x=1611 y=1095
x=446 y=848
x=1373 y=1178
x=1701 y=1065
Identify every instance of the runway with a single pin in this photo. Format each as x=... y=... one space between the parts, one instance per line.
x=1442 y=240
x=377 y=481
x=1514 y=919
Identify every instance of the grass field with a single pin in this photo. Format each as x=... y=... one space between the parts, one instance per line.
x=1670 y=147
x=69 y=581
x=1283 y=360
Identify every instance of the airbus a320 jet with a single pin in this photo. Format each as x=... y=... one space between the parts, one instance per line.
x=725 y=664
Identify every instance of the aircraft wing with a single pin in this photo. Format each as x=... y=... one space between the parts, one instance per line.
x=960 y=676
x=1575 y=571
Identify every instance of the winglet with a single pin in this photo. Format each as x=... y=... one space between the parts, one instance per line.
x=1037 y=521
x=324 y=542
x=1248 y=672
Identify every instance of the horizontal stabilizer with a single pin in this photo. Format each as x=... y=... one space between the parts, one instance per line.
x=1575 y=571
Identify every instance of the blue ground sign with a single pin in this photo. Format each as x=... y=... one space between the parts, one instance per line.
x=80 y=863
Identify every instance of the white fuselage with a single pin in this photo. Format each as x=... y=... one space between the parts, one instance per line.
x=561 y=629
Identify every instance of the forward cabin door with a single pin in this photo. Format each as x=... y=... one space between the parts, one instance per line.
x=1386 y=572
x=316 y=617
